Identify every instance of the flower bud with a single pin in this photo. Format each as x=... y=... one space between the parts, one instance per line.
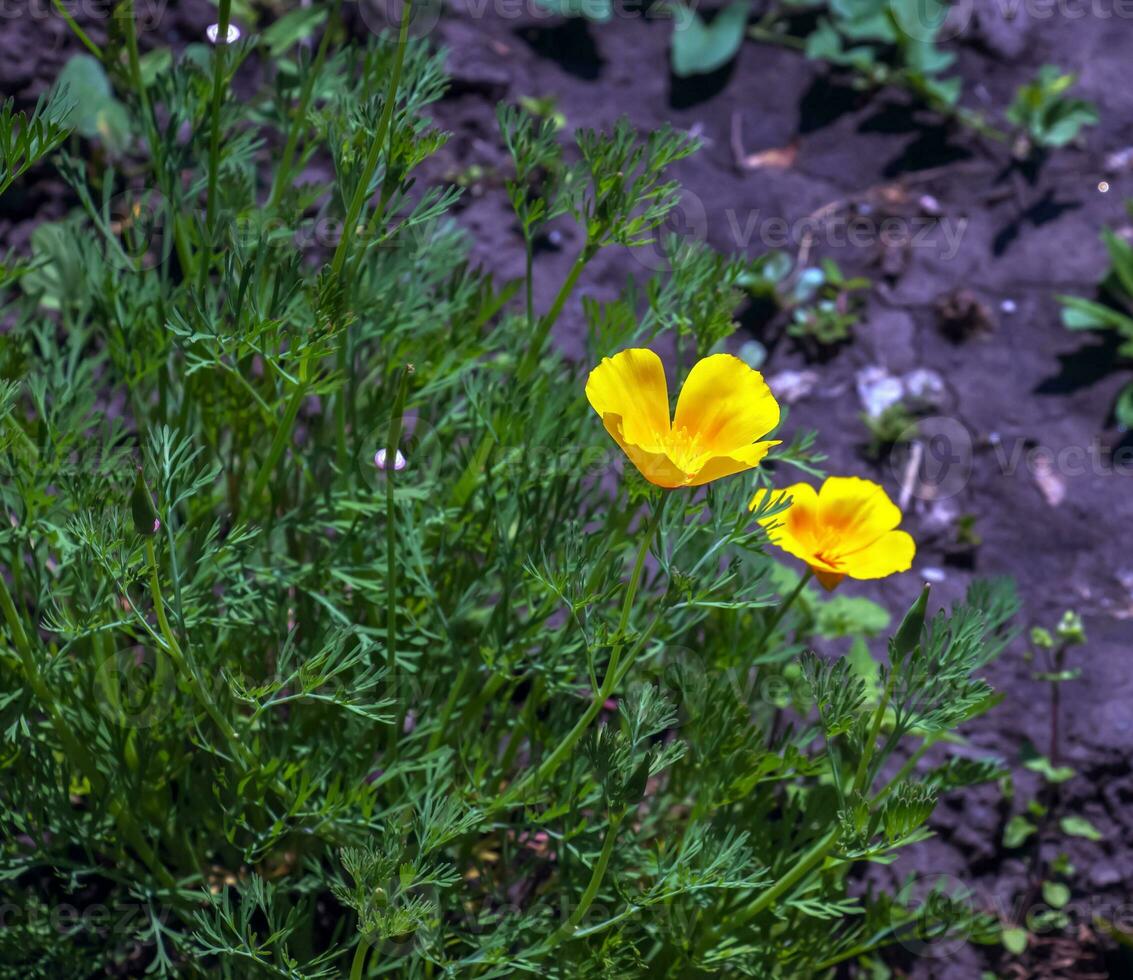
x=1070 y=629
x=146 y=521
x=909 y=633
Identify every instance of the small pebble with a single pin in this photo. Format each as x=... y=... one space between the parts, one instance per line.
x=753 y=354
x=792 y=386
x=1008 y=306
x=930 y=205
x=1119 y=160
x=934 y=575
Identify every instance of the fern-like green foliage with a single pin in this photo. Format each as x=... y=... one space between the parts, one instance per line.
x=340 y=711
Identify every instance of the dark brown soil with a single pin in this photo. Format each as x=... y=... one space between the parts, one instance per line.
x=1021 y=389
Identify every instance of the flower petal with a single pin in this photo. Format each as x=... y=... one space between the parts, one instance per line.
x=725 y=404
x=656 y=467
x=892 y=552
x=855 y=512
x=631 y=385
x=713 y=467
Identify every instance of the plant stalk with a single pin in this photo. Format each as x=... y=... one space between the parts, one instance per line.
x=557 y=757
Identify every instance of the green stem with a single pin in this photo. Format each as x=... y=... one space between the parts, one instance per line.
x=903 y=772
x=875 y=730
x=219 y=59
x=556 y=758
x=357 y=967
x=281 y=438
x=79 y=32
x=529 y=280
x=299 y=120
x=464 y=487
x=805 y=864
x=393 y=438
x=450 y=705
x=538 y=341
x=73 y=749
x=566 y=930
x=177 y=655
x=354 y=211
x=148 y=118
x=358 y=201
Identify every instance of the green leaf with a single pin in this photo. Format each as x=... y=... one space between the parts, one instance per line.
x=865 y=20
x=699 y=48
x=850 y=616
x=1079 y=827
x=1084 y=314
x=824 y=43
x=56 y=271
x=1123 y=407
x=1121 y=255
x=154 y=63
x=1056 y=894
x=1018 y=829
x=96 y=113
x=1015 y=940
x=1067 y=121
x=864 y=666
x=925 y=57
x=1052 y=774
x=291 y=28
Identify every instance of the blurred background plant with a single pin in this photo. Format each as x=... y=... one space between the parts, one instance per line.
x=1111 y=313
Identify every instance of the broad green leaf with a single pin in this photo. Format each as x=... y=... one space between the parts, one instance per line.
x=55 y=272
x=1056 y=894
x=1052 y=774
x=1018 y=829
x=95 y=112
x=1015 y=940
x=154 y=63
x=926 y=57
x=824 y=43
x=1068 y=121
x=868 y=669
x=850 y=616
x=1079 y=827
x=699 y=48
x=292 y=27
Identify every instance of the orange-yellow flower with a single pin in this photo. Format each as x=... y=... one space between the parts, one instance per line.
x=847 y=528
x=723 y=408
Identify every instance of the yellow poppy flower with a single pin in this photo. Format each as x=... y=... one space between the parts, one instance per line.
x=723 y=408
x=847 y=528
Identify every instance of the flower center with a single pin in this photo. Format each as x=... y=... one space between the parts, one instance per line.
x=682 y=447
